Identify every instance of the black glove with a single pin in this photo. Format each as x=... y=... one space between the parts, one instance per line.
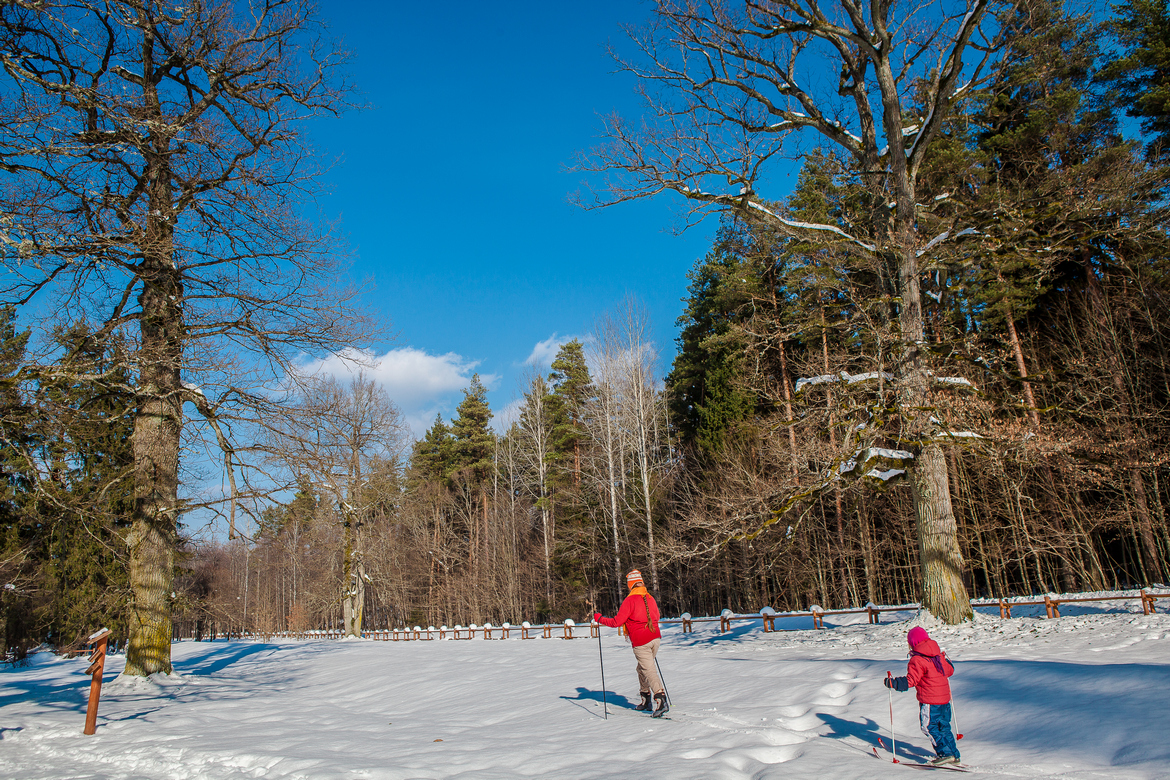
x=900 y=684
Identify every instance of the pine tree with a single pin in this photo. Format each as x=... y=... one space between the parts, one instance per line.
x=572 y=390
x=706 y=397
x=1142 y=73
x=472 y=447
x=433 y=454
x=15 y=433
x=18 y=531
x=86 y=411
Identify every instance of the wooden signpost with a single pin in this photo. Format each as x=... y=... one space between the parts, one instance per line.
x=97 y=665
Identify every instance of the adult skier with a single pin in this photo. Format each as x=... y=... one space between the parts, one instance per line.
x=639 y=614
x=927 y=672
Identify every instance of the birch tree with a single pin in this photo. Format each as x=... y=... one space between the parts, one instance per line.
x=152 y=173
x=734 y=87
x=629 y=391
x=535 y=431
x=605 y=434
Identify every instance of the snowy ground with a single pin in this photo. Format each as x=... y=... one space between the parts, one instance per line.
x=1084 y=696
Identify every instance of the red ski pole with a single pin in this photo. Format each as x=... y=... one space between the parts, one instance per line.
x=893 y=740
x=954 y=719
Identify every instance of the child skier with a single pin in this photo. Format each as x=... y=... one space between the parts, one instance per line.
x=639 y=614
x=928 y=672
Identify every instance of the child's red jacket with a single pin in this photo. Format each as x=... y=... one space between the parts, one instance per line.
x=928 y=671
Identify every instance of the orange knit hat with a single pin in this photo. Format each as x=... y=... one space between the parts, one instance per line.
x=633 y=578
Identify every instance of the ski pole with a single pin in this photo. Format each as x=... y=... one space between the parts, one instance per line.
x=662 y=679
x=954 y=719
x=601 y=658
x=893 y=739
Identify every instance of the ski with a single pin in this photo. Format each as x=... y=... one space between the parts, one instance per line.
x=630 y=712
x=916 y=764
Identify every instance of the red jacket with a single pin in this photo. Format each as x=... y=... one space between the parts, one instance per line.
x=633 y=616
x=928 y=672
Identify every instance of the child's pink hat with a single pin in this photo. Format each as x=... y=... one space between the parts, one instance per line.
x=917 y=636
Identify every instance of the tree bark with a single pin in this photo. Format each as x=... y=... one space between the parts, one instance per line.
x=159 y=418
x=943 y=593
x=155 y=443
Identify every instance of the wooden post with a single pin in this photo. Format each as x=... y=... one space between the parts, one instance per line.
x=97 y=666
x=769 y=618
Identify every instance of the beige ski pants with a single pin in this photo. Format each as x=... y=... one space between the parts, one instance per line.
x=647 y=671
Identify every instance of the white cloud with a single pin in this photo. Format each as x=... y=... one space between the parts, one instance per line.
x=545 y=351
x=421 y=384
x=504 y=418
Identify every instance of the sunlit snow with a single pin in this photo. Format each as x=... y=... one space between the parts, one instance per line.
x=1081 y=696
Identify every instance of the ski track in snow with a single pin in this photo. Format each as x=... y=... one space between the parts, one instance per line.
x=1080 y=697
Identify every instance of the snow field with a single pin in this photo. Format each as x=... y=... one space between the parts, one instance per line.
x=1084 y=696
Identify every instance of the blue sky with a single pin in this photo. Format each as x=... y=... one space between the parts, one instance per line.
x=453 y=189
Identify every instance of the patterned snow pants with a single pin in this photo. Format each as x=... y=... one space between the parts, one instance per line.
x=936 y=724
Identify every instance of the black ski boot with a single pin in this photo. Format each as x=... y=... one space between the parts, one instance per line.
x=645 y=706
x=662 y=708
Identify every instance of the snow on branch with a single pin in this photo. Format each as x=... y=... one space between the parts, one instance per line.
x=812 y=226
x=844 y=376
x=941 y=237
x=954 y=380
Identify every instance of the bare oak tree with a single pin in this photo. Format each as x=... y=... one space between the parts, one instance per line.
x=152 y=172
x=734 y=86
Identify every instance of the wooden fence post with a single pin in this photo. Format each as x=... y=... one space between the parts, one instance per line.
x=725 y=620
x=97 y=666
